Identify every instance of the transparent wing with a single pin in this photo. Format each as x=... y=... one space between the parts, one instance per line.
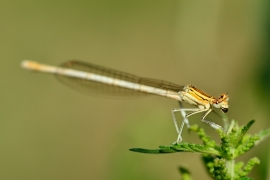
x=97 y=87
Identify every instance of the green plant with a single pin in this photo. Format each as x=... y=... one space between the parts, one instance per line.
x=219 y=160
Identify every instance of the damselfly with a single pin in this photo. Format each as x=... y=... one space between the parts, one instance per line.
x=95 y=78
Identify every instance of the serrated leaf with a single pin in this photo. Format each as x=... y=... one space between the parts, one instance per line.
x=152 y=151
x=246 y=127
x=242 y=132
x=204 y=149
x=182 y=147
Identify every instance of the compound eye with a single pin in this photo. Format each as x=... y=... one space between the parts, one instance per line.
x=224 y=110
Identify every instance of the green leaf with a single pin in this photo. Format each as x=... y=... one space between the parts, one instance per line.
x=182 y=147
x=246 y=127
x=246 y=144
x=151 y=151
x=239 y=134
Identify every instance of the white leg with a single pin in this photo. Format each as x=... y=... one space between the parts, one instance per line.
x=185 y=120
x=225 y=120
x=184 y=115
x=183 y=112
x=210 y=123
x=179 y=131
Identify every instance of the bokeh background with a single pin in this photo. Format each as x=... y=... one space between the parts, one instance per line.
x=49 y=131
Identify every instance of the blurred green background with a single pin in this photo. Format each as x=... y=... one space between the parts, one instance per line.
x=49 y=131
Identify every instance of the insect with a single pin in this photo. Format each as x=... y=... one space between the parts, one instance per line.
x=97 y=78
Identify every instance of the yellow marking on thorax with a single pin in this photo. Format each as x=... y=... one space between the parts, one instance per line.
x=199 y=95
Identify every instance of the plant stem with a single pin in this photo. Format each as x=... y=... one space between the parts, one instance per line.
x=230 y=167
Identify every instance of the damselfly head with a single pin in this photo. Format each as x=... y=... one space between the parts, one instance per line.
x=222 y=102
